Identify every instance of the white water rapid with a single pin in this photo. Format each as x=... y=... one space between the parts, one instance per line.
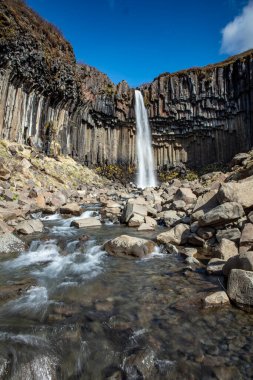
x=146 y=175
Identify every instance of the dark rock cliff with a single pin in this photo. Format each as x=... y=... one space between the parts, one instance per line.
x=198 y=116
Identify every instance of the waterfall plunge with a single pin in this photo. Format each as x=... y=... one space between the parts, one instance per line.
x=146 y=175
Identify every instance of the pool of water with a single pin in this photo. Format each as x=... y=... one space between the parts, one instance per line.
x=92 y=316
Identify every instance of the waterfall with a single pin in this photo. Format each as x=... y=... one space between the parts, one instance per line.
x=146 y=176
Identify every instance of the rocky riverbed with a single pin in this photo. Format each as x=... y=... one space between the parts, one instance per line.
x=101 y=280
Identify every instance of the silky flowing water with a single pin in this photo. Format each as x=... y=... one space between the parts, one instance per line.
x=146 y=171
x=92 y=316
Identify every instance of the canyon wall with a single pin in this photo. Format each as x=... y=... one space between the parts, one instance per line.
x=198 y=116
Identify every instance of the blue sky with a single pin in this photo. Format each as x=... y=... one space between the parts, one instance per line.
x=137 y=40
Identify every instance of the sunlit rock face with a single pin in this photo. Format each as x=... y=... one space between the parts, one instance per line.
x=197 y=116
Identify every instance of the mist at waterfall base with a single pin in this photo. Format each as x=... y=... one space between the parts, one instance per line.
x=146 y=173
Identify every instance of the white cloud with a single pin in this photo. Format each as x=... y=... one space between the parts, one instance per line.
x=237 y=36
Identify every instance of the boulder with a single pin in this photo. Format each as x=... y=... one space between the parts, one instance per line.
x=72 y=209
x=247 y=236
x=243 y=261
x=233 y=234
x=128 y=246
x=240 y=192
x=29 y=227
x=216 y=299
x=186 y=195
x=136 y=220
x=145 y=227
x=205 y=203
x=225 y=249
x=86 y=222
x=240 y=287
x=150 y=221
x=10 y=243
x=134 y=208
x=215 y=266
x=171 y=218
x=40 y=201
x=58 y=199
x=222 y=214
x=177 y=235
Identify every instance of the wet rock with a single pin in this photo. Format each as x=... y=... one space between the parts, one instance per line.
x=128 y=246
x=87 y=222
x=223 y=214
x=233 y=234
x=215 y=266
x=177 y=235
x=192 y=261
x=145 y=227
x=15 y=289
x=136 y=220
x=9 y=243
x=72 y=209
x=240 y=192
x=29 y=227
x=216 y=299
x=240 y=287
x=140 y=364
x=226 y=249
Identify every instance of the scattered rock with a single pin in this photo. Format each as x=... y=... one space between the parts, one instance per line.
x=125 y=246
x=71 y=208
x=29 y=227
x=136 y=220
x=177 y=235
x=233 y=234
x=145 y=227
x=216 y=299
x=240 y=192
x=243 y=261
x=87 y=222
x=240 y=287
x=226 y=249
x=215 y=266
x=222 y=214
x=132 y=209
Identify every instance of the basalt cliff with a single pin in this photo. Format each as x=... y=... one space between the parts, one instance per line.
x=198 y=116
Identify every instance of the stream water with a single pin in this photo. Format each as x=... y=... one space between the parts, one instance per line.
x=91 y=316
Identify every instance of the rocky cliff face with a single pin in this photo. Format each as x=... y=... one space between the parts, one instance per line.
x=197 y=116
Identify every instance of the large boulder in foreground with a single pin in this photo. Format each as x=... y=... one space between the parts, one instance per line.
x=177 y=235
x=240 y=192
x=129 y=246
x=240 y=287
x=222 y=214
